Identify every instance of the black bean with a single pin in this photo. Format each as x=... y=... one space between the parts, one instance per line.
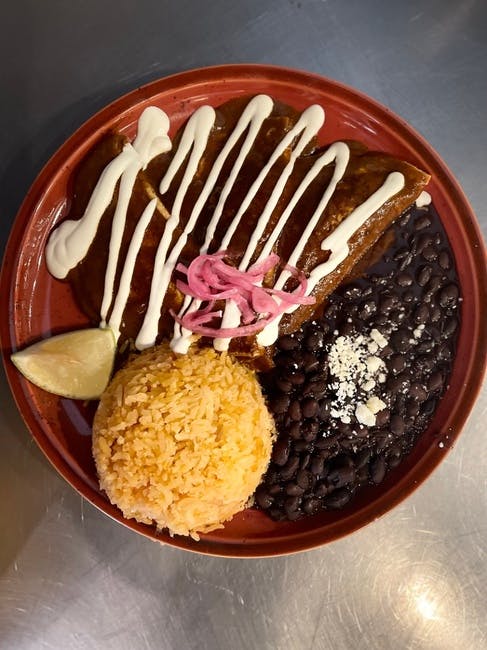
x=400 y=341
x=347 y=329
x=311 y=505
x=421 y=314
x=386 y=352
x=344 y=428
x=435 y=313
x=297 y=378
x=382 y=439
x=397 y=425
x=341 y=472
x=304 y=462
x=399 y=384
x=287 y=361
x=396 y=363
x=280 y=404
x=444 y=260
x=400 y=402
x=421 y=242
x=291 y=505
x=326 y=442
x=309 y=407
x=429 y=407
x=433 y=285
x=263 y=498
x=400 y=254
x=449 y=295
x=422 y=222
x=337 y=499
x=332 y=311
x=362 y=458
x=361 y=432
x=412 y=409
x=408 y=296
x=295 y=410
x=424 y=275
x=425 y=346
x=404 y=263
x=274 y=489
x=348 y=444
x=300 y=446
x=351 y=291
x=284 y=385
x=289 y=468
x=450 y=326
x=305 y=479
x=280 y=450
x=316 y=388
x=314 y=341
x=404 y=279
x=444 y=352
x=321 y=489
x=317 y=465
x=386 y=304
x=394 y=457
x=430 y=253
x=381 y=320
x=294 y=490
x=287 y=343
x=309 y=430
x=294 y=430
x=435 y=382
x=277 y=514
x=417 y=392
x=368 y=309
x=382 y=417
x=311 y=363
x=377 y=469
x=362 y=475
x=404 y=220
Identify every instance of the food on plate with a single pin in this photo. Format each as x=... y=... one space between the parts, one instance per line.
x=76 y=364
x=351 y=392
x=249 y=178
x=324 y=270
x=182 y=441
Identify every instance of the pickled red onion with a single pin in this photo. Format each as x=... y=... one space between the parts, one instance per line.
x=209 y=279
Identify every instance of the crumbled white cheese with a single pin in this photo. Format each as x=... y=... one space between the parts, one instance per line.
x=375 y=404
x=373 y=364
x=367 y=386
x=364 y=415
x=372 y=347
x=354 y=372
x=418 y=331
x=379 y=338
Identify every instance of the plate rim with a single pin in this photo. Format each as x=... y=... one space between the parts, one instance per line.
x=302 y=541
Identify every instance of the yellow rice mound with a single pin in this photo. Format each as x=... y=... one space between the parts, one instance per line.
x=182 y=441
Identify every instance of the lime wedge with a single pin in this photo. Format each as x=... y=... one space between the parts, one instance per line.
x=76 y=364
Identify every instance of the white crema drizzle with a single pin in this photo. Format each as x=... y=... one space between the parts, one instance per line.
x=70 y=242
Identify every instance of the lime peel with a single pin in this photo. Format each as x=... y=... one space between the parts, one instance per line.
x=76 y=364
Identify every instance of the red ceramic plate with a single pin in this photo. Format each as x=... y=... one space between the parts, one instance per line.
x=39 y=306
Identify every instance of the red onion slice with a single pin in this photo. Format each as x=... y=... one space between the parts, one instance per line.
x=209 y=278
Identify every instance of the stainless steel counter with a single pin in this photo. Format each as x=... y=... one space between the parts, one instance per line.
x=70 y=578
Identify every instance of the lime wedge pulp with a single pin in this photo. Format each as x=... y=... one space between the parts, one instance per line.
x=76 y=364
